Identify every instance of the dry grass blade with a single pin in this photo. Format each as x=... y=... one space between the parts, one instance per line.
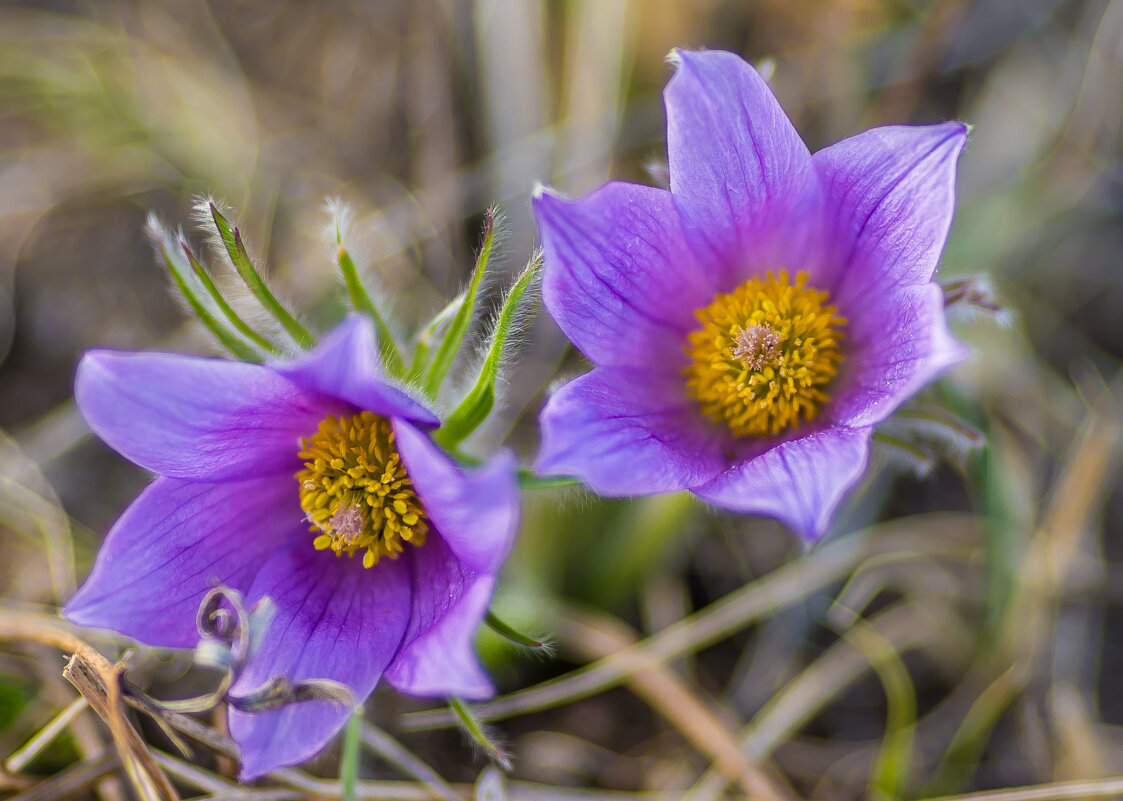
x=72 y=781
x=832 y=674
x=99 y=681
x=20 y=759
x=25 y=493
x=595 y=636
x=1059 y=791
x=368 y=791
x=753 y=602
x=391 y=750
x=216 y=741
x=722 y=618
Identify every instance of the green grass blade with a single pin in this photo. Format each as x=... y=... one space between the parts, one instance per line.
x=890 y=770
x=454 y=337
x=231 y=315
x=236 y=250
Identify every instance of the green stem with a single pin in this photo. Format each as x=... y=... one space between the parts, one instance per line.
x=474 y=729
x=507 y=631
x=349 y=760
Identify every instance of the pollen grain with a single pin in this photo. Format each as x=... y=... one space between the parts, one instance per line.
x=355 y=491
x=764 y=355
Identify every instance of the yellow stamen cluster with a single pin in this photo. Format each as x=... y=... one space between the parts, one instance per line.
x=355 y=490
x=764 y=355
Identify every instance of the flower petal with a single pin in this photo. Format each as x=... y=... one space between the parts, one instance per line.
x=175 y=542
x=449 y=602
x=897 y=345
x=889 y=194
x=619 y=279
x=799 y=481
x=334 y=620
x=346 y=365
x=195 y=418
x=475 y=511
x=740 y=174
x=627 y=431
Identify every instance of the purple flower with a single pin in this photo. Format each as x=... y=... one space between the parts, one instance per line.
x=752 y=324
x=250 y=458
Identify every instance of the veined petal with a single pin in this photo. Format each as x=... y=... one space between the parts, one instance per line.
x=175 y=542
x=194 y=418
x=619 y=279
x=345 y=365
x=889 y=194
x=740 y=174
x=896 y=345
x=629 y=431
x=799 y=481
x=476 y=511
x=334 y=620
x=449 y=602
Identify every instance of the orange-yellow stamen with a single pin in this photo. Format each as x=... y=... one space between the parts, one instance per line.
x=355 y=491
x=764 y=355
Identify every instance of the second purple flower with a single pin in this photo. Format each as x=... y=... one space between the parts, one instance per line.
x=752 y=324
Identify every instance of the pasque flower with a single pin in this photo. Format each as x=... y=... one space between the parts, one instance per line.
x=752 y=324
x=311 y=482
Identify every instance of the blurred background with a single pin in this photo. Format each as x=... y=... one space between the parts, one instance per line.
x=967 y=637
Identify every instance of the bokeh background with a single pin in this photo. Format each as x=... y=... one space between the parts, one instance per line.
x=967 y=637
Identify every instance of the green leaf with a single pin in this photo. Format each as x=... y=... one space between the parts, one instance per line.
x=454 y=337
x=429 y=334
x=528 y=479
x=504 y=629
x=423 y=345
x=479 y=401
x=236 y=250
x=360 y=299
x=914 y=456
x=182 y=276
x=231 y=315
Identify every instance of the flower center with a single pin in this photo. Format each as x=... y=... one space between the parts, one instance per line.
x=355 y=490
x=764 y=355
